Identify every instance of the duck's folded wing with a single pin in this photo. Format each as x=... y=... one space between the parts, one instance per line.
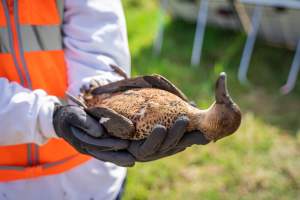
x=152 y=81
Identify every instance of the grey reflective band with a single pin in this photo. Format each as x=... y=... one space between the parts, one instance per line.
x=16 y=15
x=41 y=38
x=44 y=37
x=29 y=152
x=10 y=40
x=53 y=164
x=4 y=40
x=32 y=160
x=17 y=168
x=44 y=166
x=37 y=154
x=60 y=8
x=34 y=38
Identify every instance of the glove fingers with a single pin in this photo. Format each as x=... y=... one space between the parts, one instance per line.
x=149 y=146
x=154 y=141
x=123 y=159
x=195 y=137
x=175 y=133
x=162 y=154
x=101 y=143
x=95 y=129
x=89 y=125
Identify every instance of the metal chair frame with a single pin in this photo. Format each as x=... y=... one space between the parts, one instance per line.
x=250 y=42
x=252 y=35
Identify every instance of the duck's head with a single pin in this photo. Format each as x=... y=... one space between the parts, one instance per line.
x=224 y=116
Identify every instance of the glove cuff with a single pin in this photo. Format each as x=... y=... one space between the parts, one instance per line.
x=57 y=108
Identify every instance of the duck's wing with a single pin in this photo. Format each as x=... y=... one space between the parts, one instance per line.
x=149 y=81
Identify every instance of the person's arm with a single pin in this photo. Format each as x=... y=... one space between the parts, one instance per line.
x=94 y=38
x=25 y=115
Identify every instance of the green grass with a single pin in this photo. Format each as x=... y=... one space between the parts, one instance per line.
x=260 y=161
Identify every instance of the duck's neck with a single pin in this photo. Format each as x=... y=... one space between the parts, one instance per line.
x=205 y=121
x=196 y=117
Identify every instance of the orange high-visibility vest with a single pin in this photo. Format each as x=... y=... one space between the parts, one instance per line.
x=31 y=54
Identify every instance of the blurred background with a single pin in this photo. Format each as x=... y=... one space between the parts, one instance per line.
x=255 y=43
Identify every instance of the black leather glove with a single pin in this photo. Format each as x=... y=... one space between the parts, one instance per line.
x=161 y=142
x=82 y=131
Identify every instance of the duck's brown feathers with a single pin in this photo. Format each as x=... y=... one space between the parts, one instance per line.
x=145 y=107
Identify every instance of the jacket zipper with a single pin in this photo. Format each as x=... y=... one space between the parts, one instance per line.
x=32 y=149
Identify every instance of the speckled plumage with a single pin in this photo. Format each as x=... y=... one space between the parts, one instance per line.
x=146 y=107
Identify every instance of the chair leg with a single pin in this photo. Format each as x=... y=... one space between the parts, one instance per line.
x=200 y=31
x=293 y=74
x=249 y=46
x=157 y=46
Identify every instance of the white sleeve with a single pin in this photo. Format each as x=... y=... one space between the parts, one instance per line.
x=25 y=115
x=94 y=37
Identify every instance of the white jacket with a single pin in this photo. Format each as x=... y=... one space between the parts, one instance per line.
x=94 y=37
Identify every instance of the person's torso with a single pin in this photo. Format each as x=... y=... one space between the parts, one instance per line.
x=92 y=180
x=31 y=53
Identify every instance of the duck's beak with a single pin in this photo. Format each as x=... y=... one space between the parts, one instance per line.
x=222 y=95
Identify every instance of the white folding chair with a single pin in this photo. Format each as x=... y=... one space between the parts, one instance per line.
x=200 y=32
x=157 y=46
x=293 y=74
x=248 y=49
x=249 y=46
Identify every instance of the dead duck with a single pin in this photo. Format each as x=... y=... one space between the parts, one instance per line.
x=130 y=108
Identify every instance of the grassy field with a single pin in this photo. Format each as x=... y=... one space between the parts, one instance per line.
x=260 y=161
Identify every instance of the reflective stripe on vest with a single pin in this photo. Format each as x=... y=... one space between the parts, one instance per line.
x=38 y=38
x=31 y=54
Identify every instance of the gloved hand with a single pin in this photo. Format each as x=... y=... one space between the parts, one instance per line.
x=82 y=131
x=162 y=142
